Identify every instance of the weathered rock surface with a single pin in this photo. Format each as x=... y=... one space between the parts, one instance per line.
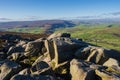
x=58 y=57
x=34 y=48
x=106 y=75
x=61 y=49
x=25 y=72
x=15 y=49
x=93 y=54
x=81 y=70
x=8 y=69
x=33 y=77
x=111 y=62
x=54 y=35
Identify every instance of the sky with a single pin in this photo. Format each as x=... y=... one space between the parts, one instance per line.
x=57 y=9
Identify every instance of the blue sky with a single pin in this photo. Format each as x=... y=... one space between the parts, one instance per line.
x=55 y=9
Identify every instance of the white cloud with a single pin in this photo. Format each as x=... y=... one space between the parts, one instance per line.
x=32 y=18
x=5 y=19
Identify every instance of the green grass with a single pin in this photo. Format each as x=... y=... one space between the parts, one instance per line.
x=27 y=30
x=99 y=34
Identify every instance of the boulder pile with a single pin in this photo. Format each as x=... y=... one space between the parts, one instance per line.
x=57 y=57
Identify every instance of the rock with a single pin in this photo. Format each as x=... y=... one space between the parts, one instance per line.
x=10 y=37
x=16 y=56
x=6 y=47
x=40 y=39
x=97 y=55
x=113 y=65
x=34 y=48
x=39 y=66
x=26 y=61
x=80 y=70
x=44 y=58
x=54 y=35
x=45 y=71
x=50 y=49
x=113 y=54
x=15 y=49
x=8 y=69
x=62 y=70
x=2 y=56
x=42 y=68
x=93 y=54
x=114 y=69
x=61 y=49
x=25 y=72
x=111 y=62
x=21 y=77
x=106 y=75
x=33 y=77
x=83 y=53
x=80 y=39
x=22 y=43
x=53 y=58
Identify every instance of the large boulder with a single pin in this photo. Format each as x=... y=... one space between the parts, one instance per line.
x=61 y=49
x=54 y=35
x=81 y=70
x=34 y=48
x=106 y=75
x=8 y=69
x=111 y=62
x=44 y=58
x=62 y=70
x=93 y=54
x=42 y=66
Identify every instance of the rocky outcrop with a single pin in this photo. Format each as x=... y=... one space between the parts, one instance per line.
x=81 y=70
x=33 y=77
x=94 y=54
x=58 y=57
x=34 y=48
x=106 y=75
x=8 y=69
x=61 y=49
x=54 y=35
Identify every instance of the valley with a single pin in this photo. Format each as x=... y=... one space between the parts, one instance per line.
x=105 y=34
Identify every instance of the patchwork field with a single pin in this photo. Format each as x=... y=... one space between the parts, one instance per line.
x=105 y=35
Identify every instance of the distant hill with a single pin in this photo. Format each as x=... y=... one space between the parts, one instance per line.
x=96 y=21
x=48 y=25
x=40 y=23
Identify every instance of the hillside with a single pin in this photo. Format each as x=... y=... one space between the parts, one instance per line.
x=105 y=35
x=46 y=25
